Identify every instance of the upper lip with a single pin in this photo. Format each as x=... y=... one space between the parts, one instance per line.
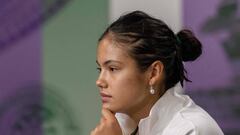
x=105 y=95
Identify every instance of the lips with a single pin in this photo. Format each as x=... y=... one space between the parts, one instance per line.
x=105 y=97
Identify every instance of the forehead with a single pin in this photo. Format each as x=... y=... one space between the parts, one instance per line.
x=109 y=50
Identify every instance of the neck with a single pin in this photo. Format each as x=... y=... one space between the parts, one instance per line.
x=143 y=110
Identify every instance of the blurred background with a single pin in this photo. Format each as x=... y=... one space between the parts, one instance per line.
x=48 y=53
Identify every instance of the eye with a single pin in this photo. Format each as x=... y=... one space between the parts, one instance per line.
x=99 y=69
x=113 y=69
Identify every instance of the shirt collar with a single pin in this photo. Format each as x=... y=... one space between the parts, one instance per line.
x=160 y=114
x=162 y=111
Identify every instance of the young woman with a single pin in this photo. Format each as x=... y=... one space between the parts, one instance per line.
x=141 y=77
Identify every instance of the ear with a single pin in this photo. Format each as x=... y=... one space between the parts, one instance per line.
x=156 y=73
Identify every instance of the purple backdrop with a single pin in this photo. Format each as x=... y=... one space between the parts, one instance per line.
x=213 y=69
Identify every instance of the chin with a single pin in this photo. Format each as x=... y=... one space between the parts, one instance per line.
x=111 y=108
x=107 y=106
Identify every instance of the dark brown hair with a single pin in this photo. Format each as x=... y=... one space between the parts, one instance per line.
x=149 y=39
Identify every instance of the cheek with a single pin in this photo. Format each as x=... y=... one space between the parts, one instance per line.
x=128 y=82
x=129 y=87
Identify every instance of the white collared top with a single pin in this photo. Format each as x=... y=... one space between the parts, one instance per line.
x=173 y=114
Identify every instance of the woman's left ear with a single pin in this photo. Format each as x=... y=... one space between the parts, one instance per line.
x=156 y=72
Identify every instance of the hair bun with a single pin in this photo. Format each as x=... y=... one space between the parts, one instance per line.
x=191 y=47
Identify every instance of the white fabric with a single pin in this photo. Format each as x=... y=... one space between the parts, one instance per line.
x=173 y=114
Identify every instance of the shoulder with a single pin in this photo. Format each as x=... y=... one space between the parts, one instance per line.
x=193 y=120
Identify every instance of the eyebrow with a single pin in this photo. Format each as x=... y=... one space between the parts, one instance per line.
x=109 y=62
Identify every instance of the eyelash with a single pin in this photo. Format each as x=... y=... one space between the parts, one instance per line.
x=112 y=69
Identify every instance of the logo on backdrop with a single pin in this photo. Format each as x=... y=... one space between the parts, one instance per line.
x=19 y=18
x=35 y=110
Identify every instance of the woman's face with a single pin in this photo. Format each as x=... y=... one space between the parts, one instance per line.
x=123 y=87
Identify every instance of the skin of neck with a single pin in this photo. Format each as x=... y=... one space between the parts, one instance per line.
x=142 y=111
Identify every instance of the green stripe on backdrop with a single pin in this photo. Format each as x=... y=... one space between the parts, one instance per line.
x=69 y=68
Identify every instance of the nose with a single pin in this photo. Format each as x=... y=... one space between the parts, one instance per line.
x=101 y=82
